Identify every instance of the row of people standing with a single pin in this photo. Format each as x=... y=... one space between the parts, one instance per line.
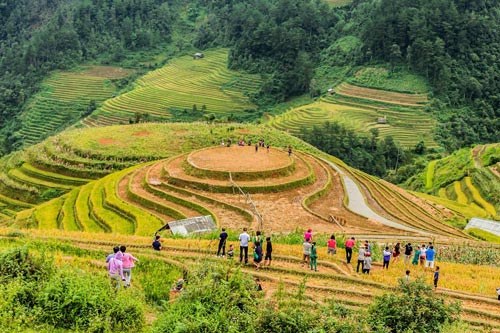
x=245 y=240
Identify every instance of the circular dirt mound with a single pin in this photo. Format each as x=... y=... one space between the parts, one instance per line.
x=239 y=159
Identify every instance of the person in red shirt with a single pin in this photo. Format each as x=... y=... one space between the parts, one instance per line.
x=349 y=244
x=332 y=245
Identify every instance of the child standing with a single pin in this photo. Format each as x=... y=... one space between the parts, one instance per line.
x=407 y=276
x=314 y=257
x=367 y=264
x=436 y=277
x=269 y=251
x=230 y=252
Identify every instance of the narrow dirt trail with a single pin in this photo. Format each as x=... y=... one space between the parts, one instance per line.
x=357 y=203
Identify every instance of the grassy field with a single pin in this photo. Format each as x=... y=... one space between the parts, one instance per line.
x=383 y=79
x=339 y=3
x=65 y=98
x=187 y=87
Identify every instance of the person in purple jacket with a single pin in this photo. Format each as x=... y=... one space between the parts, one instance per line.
x=115 y=271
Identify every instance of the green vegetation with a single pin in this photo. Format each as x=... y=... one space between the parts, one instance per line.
x=483 y=235
x=38 y=294
x=465 y=177
x=195 y=88
x=397 y=312
x=43 y=37
x=66 y=97
x=398 y=80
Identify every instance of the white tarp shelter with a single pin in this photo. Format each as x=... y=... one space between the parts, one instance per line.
x=483 y=224
x=194 y=225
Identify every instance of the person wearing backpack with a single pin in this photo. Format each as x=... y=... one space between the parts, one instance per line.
x=257 y=255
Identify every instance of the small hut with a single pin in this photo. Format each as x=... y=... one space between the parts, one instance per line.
x=331 y=91
x=198 y=55
x=382 y=120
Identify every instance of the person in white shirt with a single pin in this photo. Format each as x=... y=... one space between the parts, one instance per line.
x=307 y=252
x=244 y=238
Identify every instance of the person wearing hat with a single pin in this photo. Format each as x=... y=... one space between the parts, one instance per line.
x=367 y=263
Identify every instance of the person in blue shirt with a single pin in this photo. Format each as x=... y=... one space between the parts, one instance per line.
x=429 y=257
x=112 y=255
x=156 y=243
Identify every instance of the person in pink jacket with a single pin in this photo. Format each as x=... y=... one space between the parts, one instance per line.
x=128 y=263
x=115 y=270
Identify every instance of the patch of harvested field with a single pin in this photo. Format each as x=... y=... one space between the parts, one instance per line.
x=381 y=95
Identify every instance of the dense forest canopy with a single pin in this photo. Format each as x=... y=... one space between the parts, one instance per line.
x=455 y=44
x=39 y=36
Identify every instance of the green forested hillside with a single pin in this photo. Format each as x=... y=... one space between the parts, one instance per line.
x=445 y=49
x=39 y=36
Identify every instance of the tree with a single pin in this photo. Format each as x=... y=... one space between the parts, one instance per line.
x=414 y=308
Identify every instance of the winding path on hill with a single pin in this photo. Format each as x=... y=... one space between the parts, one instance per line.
x=358 y=204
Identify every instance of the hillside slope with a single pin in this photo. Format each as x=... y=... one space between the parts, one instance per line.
x=369 y=99
x=184 y=89
x=132 y=179
x=67 y=97
x=469 y=178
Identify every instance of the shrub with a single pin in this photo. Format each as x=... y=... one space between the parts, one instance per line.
x=156 y=279
x=215 y=300
x=20 y=263
x=80 y=300
x=413 y=308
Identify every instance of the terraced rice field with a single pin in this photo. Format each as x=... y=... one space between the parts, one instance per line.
x=285 y=190
x=65 y=99
x=182 y=83
x=390 y=97
x=133 y=179
x=465 y=178
x=407 y=126
x=336 y=280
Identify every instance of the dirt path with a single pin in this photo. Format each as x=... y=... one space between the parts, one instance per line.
x=358 y=204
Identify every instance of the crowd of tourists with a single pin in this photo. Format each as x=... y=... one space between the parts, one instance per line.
x=423 y=255
x=120 y=262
